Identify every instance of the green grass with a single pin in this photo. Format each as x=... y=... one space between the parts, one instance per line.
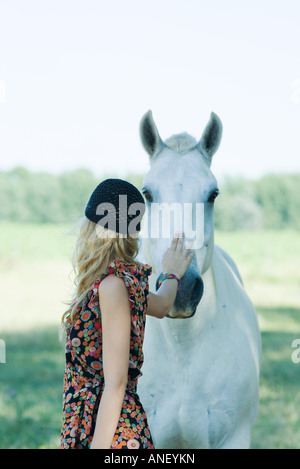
x=34 y=283
x=31 y=389
x=278 y=425
x=269 y=264
x=33 y=243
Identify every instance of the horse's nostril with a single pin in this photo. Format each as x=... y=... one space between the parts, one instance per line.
x=190 y=293
x=197 y=291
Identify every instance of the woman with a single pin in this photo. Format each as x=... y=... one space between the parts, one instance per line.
x=106 y=320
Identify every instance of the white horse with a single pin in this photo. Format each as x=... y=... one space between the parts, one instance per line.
x=200 y=383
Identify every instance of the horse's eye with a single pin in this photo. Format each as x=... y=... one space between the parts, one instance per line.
x=148 y=196
x=213 y=195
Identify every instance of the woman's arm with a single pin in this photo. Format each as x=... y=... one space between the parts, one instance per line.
x=160 y=303
x=175 y=261
x=116 y=325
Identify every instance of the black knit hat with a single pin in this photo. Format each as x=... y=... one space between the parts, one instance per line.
x=117 y=205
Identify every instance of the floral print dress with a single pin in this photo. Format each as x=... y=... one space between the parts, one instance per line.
x=84 y=379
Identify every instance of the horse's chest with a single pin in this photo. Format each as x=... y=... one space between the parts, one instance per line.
x=198 y=392
x=187 y=417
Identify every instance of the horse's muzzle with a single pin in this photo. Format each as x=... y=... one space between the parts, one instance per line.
x=188 y=296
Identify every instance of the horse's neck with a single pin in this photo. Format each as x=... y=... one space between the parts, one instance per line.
x=207 y=308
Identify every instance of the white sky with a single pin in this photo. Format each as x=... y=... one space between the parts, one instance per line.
x=77 y=76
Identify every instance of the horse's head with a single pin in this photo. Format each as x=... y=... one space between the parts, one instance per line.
x=180 y=182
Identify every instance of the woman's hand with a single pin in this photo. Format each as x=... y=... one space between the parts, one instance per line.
x=176 y=260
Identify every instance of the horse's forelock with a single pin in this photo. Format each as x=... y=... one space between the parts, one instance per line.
x=181 y=143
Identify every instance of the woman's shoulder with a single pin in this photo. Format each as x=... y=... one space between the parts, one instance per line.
x=136 y=268
x=131 y=272
x=112 y=286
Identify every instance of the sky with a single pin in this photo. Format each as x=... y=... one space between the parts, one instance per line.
x=77 y=76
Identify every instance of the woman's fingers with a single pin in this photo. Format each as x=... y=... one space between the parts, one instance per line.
x=190 y=255
x=189 y=245
x=177 y=242
x=178 y=238
x=180 y=243
x=176 y=258
x=174 y=241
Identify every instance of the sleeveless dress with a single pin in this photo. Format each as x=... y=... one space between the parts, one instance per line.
x=83 y=377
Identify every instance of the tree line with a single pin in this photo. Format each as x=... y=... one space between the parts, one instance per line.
x=270 y=202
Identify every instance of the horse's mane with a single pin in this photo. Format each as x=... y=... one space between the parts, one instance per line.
x=181 y=143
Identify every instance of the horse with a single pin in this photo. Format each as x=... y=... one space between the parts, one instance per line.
x=201 y=371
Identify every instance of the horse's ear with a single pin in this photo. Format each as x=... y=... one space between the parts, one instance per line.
x=211 y=137
x=149 y=135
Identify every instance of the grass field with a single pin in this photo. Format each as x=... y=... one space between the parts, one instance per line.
x=34 y=281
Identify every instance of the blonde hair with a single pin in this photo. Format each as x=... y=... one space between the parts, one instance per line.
x=96 y=247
